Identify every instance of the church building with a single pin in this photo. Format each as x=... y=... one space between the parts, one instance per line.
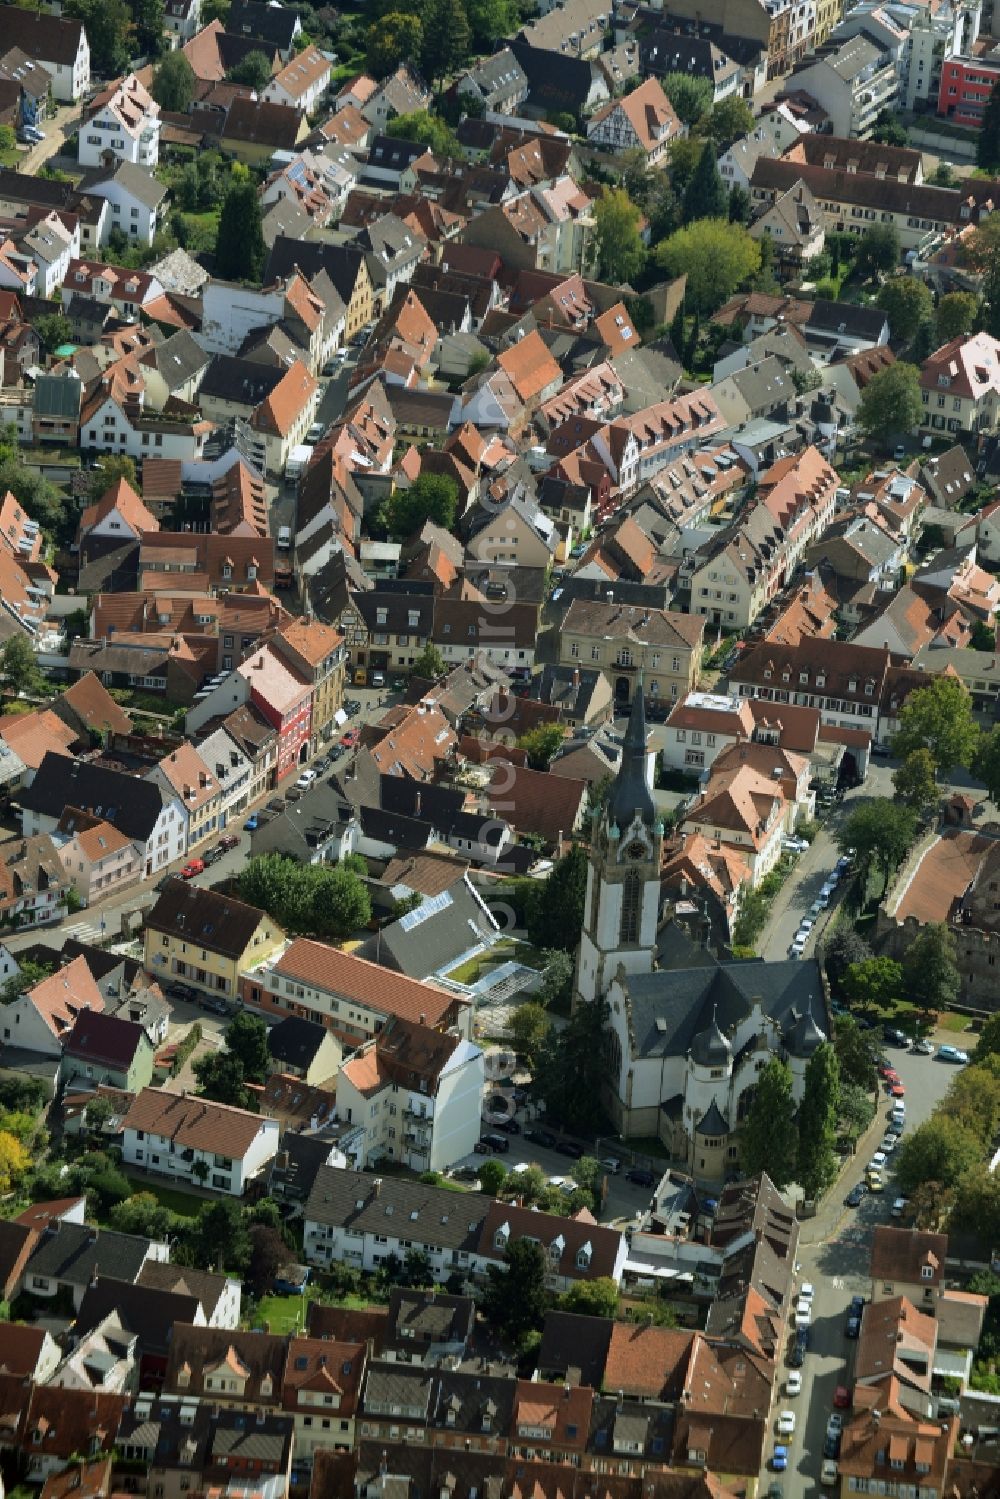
x=688 y=1033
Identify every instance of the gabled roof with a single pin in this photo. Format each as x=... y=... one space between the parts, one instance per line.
x=214 y=921
x=131 y=804
x=194 y=1123
x=104 y=1040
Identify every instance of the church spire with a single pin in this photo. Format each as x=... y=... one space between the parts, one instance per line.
x=630 y=795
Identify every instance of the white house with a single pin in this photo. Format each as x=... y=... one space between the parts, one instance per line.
x=190 y=1139
x=52 y=245
x=302 y=82
x=418 y=1093
x=58 y=43
x=42 y=1017
x=134 y=197
x=124 y=126
x=233 y=773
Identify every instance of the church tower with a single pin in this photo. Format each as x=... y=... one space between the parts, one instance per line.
x=623 y=882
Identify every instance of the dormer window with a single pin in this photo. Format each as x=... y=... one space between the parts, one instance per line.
x=803 y=676
x=926 y=1272
x=821 y=679
x=381 y=616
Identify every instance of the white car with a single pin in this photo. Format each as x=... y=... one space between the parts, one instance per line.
x=805 y=925
x=877 y=1162
x=797 y=948
x=786 y=1424
x=793 y=1384
x=306 y=779
x=807 y=1291
x=888 y=1145
x=828 y=1472
x=803 y=1315
x=610 y=1164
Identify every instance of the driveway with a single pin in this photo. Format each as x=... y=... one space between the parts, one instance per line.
x=57 y=131
x=834 y=1249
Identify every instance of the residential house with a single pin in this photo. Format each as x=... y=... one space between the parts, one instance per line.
x=97 y=858
x=254 y=130
x=59 y=44
x=498 y=82
x=67 y=1256
x=795 y=226
x=302 y=82
x=205 y=939
x=851 y=685
x=282 y=699
x=123 y=125
x=134 y=198
x=625 y=641
x=303 y=1049
x=908 y=1262
x=418 y=1093
x=119 y=515
x=143 y=812
x=33 y=883
x=643 y=120
x=106 y=1050
x=233 y=774
x=321 y=1390
x=960 y=385
x=191 y=1139
x=386 y=628
x=347 y=994
x=356 y=1219
x=503 y=631
x=316 y=652
x=853 y=84
x=277 y=25
x=182 y=773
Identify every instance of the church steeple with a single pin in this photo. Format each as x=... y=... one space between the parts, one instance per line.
x=630 y=796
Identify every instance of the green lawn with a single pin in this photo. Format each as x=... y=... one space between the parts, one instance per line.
x=289 y=1313
x=182 y=1203
x=503 y=952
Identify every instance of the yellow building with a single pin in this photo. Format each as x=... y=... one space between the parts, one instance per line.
x=198 y=937
x=828 y=13
x=316 y=652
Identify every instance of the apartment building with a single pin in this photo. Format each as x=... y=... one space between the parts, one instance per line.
x=317 y=654
x=124 y=126
x=204 y=938
x=418 y=1093
x=960 y=385
x=193 y=1140
x=966 y=86
x=626 y=640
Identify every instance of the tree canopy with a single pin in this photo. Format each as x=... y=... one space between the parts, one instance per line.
x=716 y=257
x=690 y=96
x=939 y=718
x=929 y=968
x=240 y=251
x=890 y=405
x=770 y=1137
x=880 y=831
x=988 y=135
x=817 y=1121
x=705 y=196
x=428 y=130
x=246 y=1038
x=554 y=916
x=570 y=1068
x=906 y=302
x=878 y=249
x=915 y=781
x=396 y=38
x=430 y=497
x=321 y=900
x=939 y=1150
x=253 y=71
x=515 y=1299
x=955 y=314
x=541 y=744
x=621 y=253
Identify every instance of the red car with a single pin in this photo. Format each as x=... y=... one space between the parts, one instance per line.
x=228 y=842
x=842 y=1397
x=192 y=867
x=886 y=1071
x=350 y=739
x=897 y=1090
x=891 y=1076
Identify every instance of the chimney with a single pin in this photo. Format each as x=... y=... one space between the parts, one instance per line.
x=576 y=676
x=376 y=1186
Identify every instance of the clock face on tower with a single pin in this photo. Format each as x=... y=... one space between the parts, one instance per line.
x=635 y=850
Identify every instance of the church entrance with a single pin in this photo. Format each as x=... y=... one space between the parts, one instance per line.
x=623 y=687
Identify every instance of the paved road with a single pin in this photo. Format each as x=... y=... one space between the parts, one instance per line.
x=834 y=1249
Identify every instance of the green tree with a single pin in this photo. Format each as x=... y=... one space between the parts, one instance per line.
x=341 y=904
x=253 y=71
x=857 y=1109
x=690 y=96
x=943 y=175
x=740 y=204
x=555 y=916
x=844 y=948
x=569 y=1072
x=53 y=329
x=877 y=982
x=541 y=744
x=557 y=979
x=398 y=37
x=148 y=16
x=268 y=1252
x=515 y=1299
x=929 y=967
x=955 y=315
x=751 y=919
x=173 y=82
x=110 y=467
x=988 y=1044
x=705 y=195
x=430 y=497
x=492 y=1175
x=730 y=120
x=29 y=974
x=619 y=250
x=527 y=1028
x=142 y=1214
x=878 y=250
x=881 y=832
x=818 y=1114
x=428 y=130
x=988 y=138
x=246 y=1039
x=915 y=782
x=769 y=1137
x=890 y=404
x=446 y=38
x=986 y=765
x=98 y=1113
x=491 y=20
x=906 y=302
x=982 y=637
x=430 y=664
x=716 y=257
x=591 y=1298
x=939 y=1150
x=222 y=1079
x=18 y=665
x=982 y=252
x=240 y=251
x=939 y=718
x=108 y=25
x=221 y=1238
x=857 y=1053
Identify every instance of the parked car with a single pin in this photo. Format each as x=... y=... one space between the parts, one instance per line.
x=779 y=1459
x=610 y=1164
x=856 y=1195
x=952 y=1054
x=793 y=1384
x=842 y=1398
x=831 y=1446
x=252 y=823
x=828 y=1473
x=306 y=779
x=923 y=1048
x=180 y=991
x=897 y=1090
x=570 y=1149
x=215 y=1006
x=350 y=739
x=786 y=1424
x=541 y=1137
x=212 y=855
x=896 y=1036
x=509 y=1126
x=191 y=868
x=352 y=707
x=899 y=1206
x=231 y=840
x=641 y=1177
x=499 y=1144
x=853 y=1328
x=796 y=1356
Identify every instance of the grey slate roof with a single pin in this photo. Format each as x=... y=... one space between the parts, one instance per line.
x=363 y=1203
x=670 y=1007
x=295 y=1040
x=140 y=183
x=132 y=805
x=713 y=1121
x=424 y=941
x=72 y=1252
